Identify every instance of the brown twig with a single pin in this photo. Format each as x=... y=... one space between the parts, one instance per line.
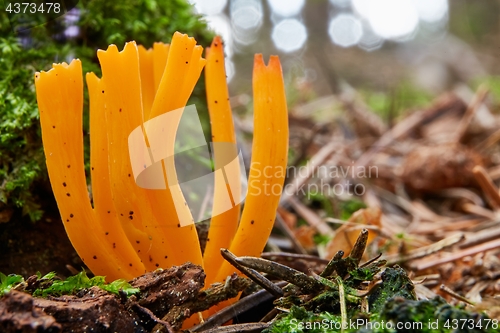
x=284 y=227
x=425 y=250
x=311 y=217
x=252 y=274
x=459 y=255
x=248 y=327
x=476 y=101
x=293 y=256
x=318 y=159
x=240 y=306
x=489 y=188
x=291 y=275
x=454 y=294
x=481 y=237
x=158 y=321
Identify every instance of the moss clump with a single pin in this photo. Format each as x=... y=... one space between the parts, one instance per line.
x=395 y=283
x=435 y=316
x=393 y=309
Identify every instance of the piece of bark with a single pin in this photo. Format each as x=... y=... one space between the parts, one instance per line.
x=19 y=314
x=162 y=290
x=95 y=310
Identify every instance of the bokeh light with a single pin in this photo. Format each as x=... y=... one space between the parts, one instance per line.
x=400 y=19
x=221 y=26
x=345 y=30
x=286 y=8
x=341 y=3
x=246 y=20
x=289 y=35
x=212 y=7
x=391 y=19
x=370 y=41
x=431 y=10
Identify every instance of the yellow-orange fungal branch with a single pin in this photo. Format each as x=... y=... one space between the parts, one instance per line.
x=222 y=226
x=183 y=68
x=172 y=93
x=268 y=164
x=104 y=209
x=60 y=100
x=147 y=70
x=122 y=95
x=160 y=57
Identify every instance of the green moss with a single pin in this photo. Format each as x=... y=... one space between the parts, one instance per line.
x=405 y=96
x=81 y=281
x=347 y=208
x=395 y=283
x=8 y=282
x=49 y=284
x=435 y=316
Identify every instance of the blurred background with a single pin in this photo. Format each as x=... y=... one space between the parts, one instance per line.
x=397 y=53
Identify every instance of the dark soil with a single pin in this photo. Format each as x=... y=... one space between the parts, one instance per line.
x=28 y=247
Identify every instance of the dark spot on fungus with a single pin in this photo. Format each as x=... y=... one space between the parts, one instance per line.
x=178 y=225
x=208 y=239
x=67 y=220
x=166 y=257
x=103 y=91
x=187 y=62
x=109 y=212
x=150 y=259
x=131 y=212
x=69 y=166
x=129 y=174
x=92 y=168
x=120 y=109
x=216 y=60
x=95 y=257
x=121 y=214
x=131 y=217
x=107 y=233
x=137 y=241
x=216 y=44
x=114 y=245
x=64 y=184
x=252 y=222
x=130 y=264
x=53 y=127
x=71 y=215
x=68 y=194
x=215 y=102
x=157 y=265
